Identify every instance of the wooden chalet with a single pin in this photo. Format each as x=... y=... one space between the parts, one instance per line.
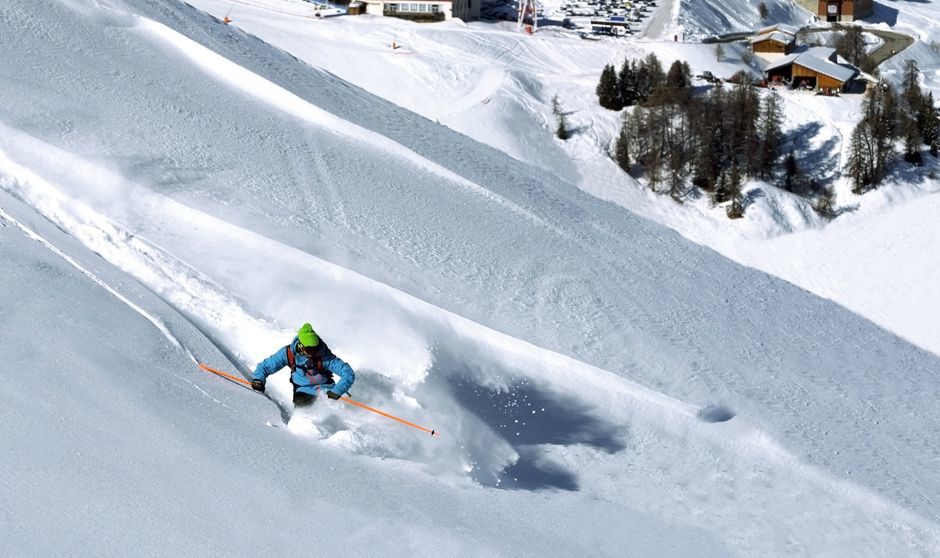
x=774 y=42
x=814 y=68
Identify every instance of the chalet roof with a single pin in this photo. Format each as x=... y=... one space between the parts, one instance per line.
x=785 y=61
x=775 y=36
x=781 y=27
x=821 y=52
x=826 y=67
x=818 y=65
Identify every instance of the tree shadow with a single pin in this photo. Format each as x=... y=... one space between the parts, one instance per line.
x=821 y=163
x=527 y=417
x=752 y=196
x=578 y=130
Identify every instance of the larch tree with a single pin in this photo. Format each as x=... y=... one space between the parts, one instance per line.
x=607 y=94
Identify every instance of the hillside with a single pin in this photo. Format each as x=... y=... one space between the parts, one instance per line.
x=177 y=190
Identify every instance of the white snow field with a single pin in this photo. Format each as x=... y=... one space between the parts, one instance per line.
x=174 y=190
x=496 y=86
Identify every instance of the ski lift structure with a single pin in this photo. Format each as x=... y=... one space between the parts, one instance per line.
x=528 y=9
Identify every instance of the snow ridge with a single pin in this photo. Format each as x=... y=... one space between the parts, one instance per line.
x=150 y=318
x=254 y=85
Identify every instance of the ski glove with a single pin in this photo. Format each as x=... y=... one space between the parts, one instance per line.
x=332 y=395
x=257 y=385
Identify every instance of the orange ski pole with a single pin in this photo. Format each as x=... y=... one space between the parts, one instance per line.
x=346 y=399
x=352 y=401
x=224 y=375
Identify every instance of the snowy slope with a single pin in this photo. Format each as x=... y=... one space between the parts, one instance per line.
x=497 y=86
x=707 y=18
x=250 y=192
x=114 y=445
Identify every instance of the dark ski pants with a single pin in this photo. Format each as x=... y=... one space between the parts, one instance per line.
x=302 y=399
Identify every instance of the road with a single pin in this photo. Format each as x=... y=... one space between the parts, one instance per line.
x=662 y=16
x=894 y=42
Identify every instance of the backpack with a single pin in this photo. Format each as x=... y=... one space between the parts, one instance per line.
x=318 y=366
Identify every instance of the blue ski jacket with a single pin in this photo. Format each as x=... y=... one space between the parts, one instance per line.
x=311 y=373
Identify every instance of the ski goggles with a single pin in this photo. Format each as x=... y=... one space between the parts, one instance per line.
x=306 y=351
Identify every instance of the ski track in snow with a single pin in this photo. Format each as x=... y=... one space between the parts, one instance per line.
x=150 y=318
x=256 y=86
x=183 y=287
x=157 y=322
x=177 y=282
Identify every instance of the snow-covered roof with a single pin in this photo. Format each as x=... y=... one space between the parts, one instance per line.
x=773 y=36
x=781 y=27
x=785 y=61
x=825 y=67
x=820 y=65
x=821 y=52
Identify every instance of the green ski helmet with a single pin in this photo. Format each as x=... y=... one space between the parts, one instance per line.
x=308 y=337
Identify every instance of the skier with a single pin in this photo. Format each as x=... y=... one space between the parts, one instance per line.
x=312 y=367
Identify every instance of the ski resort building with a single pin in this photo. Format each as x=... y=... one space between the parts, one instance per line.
x=426 y=10
x=778 y=27
x=845 y=10
x=774 y=42
x=773 y=45
x=813 y=68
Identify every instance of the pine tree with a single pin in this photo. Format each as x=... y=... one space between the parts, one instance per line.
x=736 y=209
x=928 y=119
x=911 y=87
x=622 y=149
x=912 y=142
x=561 y=132
x=743 y=137
x=860 y=164
x=771 y=135
x=627 y=83
x=885 y=130
x=790 y=172
x=679 y=75
x=607 y=93
x=877 y=132
x=763 y=11
x=722 y=192
x=650 y=76
x=851 y=46
x=710 y=140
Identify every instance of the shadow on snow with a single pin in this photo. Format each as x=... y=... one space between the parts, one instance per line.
x=528 y=417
